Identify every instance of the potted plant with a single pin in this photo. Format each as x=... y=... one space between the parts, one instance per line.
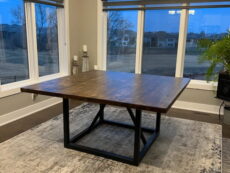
x=218 y=54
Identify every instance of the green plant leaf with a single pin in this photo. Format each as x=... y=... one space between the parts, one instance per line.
x=216 y=53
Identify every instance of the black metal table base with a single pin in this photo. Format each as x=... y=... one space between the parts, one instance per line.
x=138 y=153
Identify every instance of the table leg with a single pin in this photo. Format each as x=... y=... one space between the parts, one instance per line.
x=138 y=153
x=66 y=122
x=134 y=121
x=102 y=106
x=158 y=122
x=137 y=137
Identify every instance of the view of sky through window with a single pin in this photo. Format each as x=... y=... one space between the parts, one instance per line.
x=13 y=42
x=121 y=44
x=161 y=32
x=6 y=10
x=47 y=39
x=212 y=24
x=160 y=44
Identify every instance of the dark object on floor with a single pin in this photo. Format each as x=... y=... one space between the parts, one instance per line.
x=223 y=89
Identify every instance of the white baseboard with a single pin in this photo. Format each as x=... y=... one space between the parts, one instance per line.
x=29 y=110
x=198 y=107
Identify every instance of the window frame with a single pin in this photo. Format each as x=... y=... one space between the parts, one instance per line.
x=183 y=28
x=63 y=40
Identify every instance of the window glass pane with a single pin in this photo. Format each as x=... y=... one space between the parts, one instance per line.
x=161 y=33
x=47 y=39
x=211 y=24
x=13 y=43
x=121 y=43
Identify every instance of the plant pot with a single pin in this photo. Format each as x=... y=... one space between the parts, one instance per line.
x=223 y=89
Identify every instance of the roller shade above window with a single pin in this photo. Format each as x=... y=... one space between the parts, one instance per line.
x=109 y=5
x=57 y=3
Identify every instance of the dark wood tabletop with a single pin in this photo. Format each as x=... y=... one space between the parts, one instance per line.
x=139 y=91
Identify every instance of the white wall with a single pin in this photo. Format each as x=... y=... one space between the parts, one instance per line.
x=18 y=101
x=83 y=28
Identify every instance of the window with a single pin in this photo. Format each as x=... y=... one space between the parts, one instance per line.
x=13 y=43
x=160 y=42
x=121 y=44
x=211 y=24
x=32 y=43
x=167 y=37
x=47 y=39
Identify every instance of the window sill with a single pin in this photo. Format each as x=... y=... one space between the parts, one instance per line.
x=15 y=88
x=202 y=85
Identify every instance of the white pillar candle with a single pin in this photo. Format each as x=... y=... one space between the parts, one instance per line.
x=75 y=58
x=84 y=48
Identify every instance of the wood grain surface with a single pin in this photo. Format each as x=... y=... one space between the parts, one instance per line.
x=139 y=91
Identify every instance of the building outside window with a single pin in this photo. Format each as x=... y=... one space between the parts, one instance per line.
x=160 y=42
x=160 y=37
x=32 y=42
x=13 y=42
x=121 y=40
x=47 y=39
x=211 y=24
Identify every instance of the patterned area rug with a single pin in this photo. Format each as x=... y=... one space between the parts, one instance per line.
x=183 y=146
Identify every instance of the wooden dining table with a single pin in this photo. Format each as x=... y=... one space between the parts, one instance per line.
x=135 y=92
